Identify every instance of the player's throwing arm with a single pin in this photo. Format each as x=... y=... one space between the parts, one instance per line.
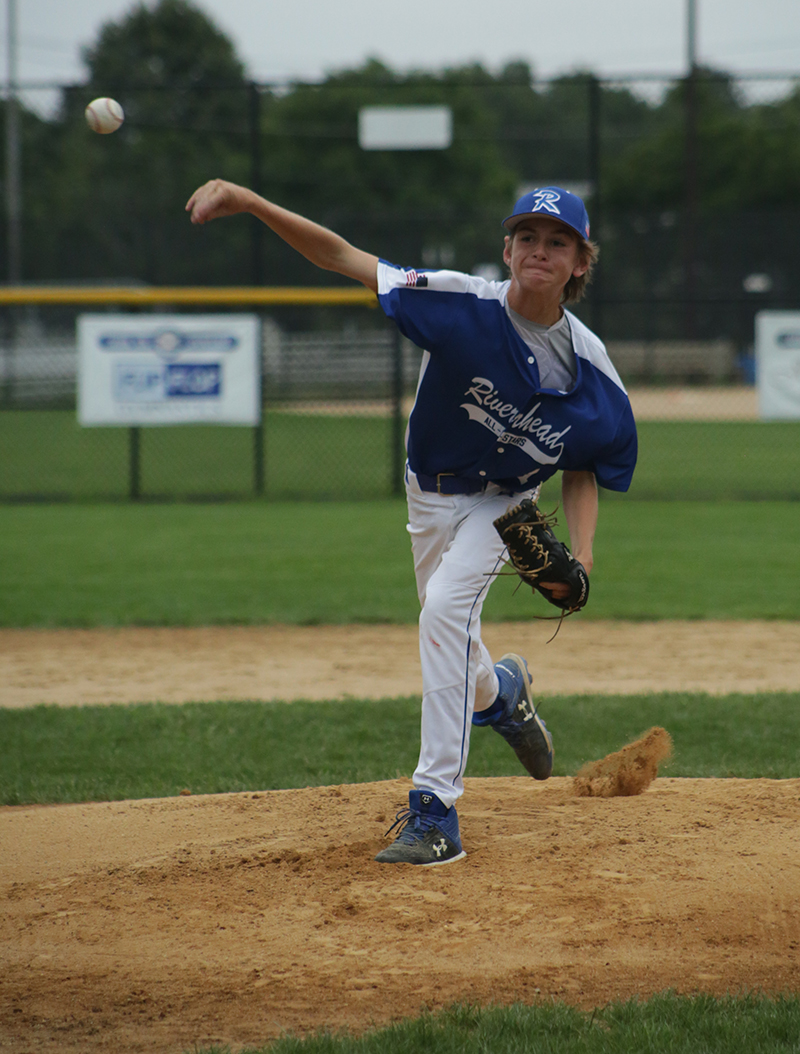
x=322 y=247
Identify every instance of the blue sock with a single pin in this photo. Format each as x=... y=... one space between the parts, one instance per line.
x=491 y=715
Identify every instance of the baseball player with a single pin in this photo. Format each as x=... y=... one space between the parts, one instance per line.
x=512 y=389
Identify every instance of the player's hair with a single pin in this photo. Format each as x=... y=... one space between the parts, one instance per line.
x=575 y=288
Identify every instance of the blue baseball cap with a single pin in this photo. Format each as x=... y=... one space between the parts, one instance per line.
x=555 y=203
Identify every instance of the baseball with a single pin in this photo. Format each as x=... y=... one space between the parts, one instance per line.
x=104 y=115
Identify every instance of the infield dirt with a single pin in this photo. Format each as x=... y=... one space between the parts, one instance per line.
x=100 y=666
x=156 y=925
x=230 y=919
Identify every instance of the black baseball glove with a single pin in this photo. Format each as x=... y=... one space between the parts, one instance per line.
x=537 y=555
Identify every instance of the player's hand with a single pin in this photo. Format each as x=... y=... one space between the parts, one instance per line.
x=560 y=590
x=218 y=198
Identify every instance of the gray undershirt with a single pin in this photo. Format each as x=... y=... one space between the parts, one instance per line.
x=552 y=349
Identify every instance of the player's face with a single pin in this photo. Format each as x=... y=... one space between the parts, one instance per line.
x=543 y=255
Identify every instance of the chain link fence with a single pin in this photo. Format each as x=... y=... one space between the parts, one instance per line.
x=682 y=177
x=335 y=406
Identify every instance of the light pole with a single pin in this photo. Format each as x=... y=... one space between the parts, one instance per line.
x=691 y=34
x=13 y=152
x=690 y=173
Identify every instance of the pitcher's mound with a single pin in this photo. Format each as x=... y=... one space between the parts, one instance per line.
x=231 y=919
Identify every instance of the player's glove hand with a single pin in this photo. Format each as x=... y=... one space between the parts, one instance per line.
x=538 y=556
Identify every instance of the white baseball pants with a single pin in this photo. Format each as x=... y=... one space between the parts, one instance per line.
x=457 y=552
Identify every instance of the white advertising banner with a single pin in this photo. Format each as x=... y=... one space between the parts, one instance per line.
x=405 y=127
x=168 y=369
x=778 y=365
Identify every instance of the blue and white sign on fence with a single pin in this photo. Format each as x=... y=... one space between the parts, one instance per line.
x=168 y=369
x=778 y=365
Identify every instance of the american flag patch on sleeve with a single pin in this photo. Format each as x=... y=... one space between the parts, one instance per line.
x=414 y=278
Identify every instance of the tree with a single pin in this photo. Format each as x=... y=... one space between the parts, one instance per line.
x=174 y=67
x=119 y=198
x=407 y=205
x=40 y=156
x=101 y=207
x=747 y=153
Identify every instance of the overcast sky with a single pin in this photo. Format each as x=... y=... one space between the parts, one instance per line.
x=304 y=39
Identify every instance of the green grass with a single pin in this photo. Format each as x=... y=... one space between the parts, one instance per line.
x=664 y=1024
x=76 y=565
x=251 y=562
x=340 y=562
x=718 y=459
x=46 y=453
x=52 y=754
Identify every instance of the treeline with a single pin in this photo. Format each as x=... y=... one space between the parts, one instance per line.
x=111 y=207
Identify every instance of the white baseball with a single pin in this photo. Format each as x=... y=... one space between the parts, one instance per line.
x=104 y=115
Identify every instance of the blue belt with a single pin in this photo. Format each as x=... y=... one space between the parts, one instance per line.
x=447 y=483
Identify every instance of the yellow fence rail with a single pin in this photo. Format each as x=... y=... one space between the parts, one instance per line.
x=172 y=295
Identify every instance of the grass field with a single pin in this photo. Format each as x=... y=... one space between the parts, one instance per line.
x=315 y=562
x=313 y=456
x=665 y=1024
x=47 y=453
x=50 y=754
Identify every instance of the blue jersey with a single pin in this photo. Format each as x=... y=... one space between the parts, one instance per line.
x=480 y=411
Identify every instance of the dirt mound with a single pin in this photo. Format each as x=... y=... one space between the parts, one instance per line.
x=628 y=771
x=155 y=925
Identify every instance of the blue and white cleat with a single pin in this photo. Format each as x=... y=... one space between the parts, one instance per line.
x=428 y=833
x=520 y=725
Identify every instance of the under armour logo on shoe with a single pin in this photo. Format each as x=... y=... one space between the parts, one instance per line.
x=426 y=799
x=524 y=707
x=439 y=847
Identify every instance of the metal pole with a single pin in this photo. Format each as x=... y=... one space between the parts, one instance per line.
x=13 y=151
x=7 y=388
x=595 y=101
x=256 y=226
x=690 y=174
x=258 y=458
x=691 y=34
x=134 y=464
x=256 y=269
x=258 y=431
